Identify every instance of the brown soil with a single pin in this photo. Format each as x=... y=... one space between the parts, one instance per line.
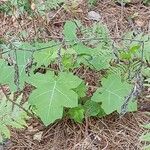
x=109 y=133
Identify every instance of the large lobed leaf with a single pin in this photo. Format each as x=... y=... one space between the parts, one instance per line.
x=52 y=94
x=112 y=94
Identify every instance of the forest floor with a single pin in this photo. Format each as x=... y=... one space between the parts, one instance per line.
x=108 y=133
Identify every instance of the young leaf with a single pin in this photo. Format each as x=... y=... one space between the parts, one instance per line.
x=125 y=55
x=134 y=49
x=130 y=53
x=142 y=49
x=93 y=108
x=52 y=94
x=68 y=62
x=77 y=114
x=112 y=94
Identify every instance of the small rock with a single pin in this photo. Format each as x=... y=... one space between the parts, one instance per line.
x=92 y=15
x=38 y=136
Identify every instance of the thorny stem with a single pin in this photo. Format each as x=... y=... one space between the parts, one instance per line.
x=76 y=42
x=136 y=90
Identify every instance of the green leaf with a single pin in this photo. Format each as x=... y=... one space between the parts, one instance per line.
x=69 y=32
x=99 y=57
x=1 y=139
x=4 y=131
x=101 y=113
x=93 y=108
x=112 y=94
x=81 y=49
x=146 y=147
x=145 y=137
x=77 y=114
x=43 y=57
x=81 y=90
x=11 y=115
x=145 y=49
x=130 y=53
x=125 y=55
x=98 y=53
x=147 y=126
x=6 y=73
x=146 y=72
x=21 y=58
x=68 y=62
x=134 y=49
x=146 y=2
x=101 y=61
x=52 y=94
x=148 y=80
x=147 y=84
